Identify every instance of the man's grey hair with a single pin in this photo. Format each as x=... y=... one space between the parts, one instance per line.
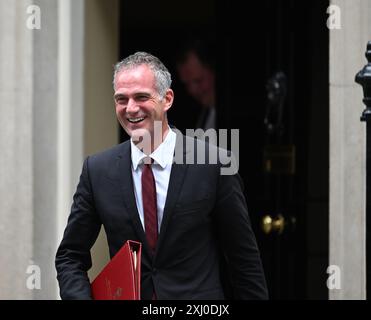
x=161 y=73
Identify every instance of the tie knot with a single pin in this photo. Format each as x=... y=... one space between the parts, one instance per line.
x=148 y=160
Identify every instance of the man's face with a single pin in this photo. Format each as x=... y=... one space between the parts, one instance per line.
x=138 y=103
x=198 y=79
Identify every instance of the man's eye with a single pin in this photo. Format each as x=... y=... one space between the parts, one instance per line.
x=142 y=98
x=121 y=101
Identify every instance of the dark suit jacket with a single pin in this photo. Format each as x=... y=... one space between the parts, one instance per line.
x=205 y=223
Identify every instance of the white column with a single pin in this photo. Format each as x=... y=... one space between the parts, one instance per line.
x=70 y=123
x=347 y=149
x=16 y=155
x=44 y=119
x=70 y=105
x=41 y=137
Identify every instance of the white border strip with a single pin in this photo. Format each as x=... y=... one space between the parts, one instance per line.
x=70 y=148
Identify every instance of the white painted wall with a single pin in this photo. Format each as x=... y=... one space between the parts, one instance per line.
x=56 y=107
x=347 y=149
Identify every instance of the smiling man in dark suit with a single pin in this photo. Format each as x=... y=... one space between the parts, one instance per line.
x=190 y=218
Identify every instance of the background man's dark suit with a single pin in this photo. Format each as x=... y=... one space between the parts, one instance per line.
x=205 y=214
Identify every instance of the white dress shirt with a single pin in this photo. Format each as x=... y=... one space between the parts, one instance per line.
x=161 y=168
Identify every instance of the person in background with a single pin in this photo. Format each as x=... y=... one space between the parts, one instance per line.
x=195 y=65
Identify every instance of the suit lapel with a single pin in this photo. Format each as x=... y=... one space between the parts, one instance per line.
x=127 y=186
x=178 y=172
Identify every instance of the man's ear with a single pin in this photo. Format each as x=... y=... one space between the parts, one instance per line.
x=169 y=99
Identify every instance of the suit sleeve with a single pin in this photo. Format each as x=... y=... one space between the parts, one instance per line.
x=73 y=258
x=238 y=240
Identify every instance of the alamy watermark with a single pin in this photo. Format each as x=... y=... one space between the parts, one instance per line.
x=34 y=17
x=334 y=19
x=334 y=279
x=33 y=20
x=33 y=281
x=195 y=151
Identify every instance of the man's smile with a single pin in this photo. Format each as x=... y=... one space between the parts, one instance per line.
x=136 y=120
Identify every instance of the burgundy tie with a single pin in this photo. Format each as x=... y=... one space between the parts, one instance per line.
x=149 y=205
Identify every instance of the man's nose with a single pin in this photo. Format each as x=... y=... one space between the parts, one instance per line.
x=132 y=106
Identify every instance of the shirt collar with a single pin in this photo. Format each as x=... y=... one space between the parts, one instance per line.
x=163 y=155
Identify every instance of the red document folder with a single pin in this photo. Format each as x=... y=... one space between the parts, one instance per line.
x=120 y=278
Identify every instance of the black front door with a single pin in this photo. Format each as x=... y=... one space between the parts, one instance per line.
x=272 y=85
